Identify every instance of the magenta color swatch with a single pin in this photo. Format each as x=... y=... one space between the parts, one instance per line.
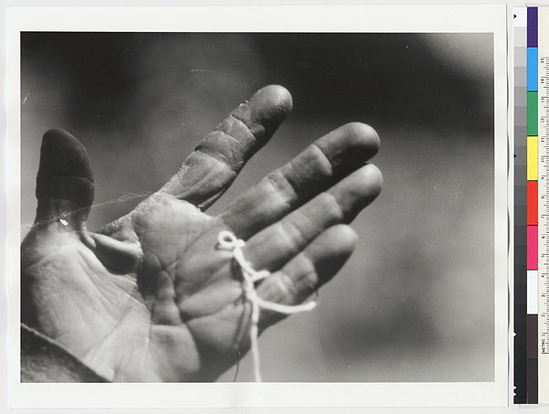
x=532 y=248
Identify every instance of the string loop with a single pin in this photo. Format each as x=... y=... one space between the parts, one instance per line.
x=228 y=241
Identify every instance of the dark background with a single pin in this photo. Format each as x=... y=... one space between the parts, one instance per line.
x=415 y=302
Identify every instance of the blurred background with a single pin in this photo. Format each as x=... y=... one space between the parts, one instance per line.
x=416 y=300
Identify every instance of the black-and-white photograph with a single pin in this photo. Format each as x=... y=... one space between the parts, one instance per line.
x=288 y=215
x=237 y=180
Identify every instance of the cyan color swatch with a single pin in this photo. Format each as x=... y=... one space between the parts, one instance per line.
x=532 y=69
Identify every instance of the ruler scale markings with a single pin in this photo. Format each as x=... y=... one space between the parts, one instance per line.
x=542 y=66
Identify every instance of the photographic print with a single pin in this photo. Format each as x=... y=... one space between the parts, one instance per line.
x=309 y=207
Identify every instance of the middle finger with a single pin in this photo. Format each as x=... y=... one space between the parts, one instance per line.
x=318 y=167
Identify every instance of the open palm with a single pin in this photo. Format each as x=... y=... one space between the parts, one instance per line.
x=151 y=296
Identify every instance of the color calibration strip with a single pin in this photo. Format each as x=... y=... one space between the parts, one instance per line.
x=532 y=204
x=531 y=220
x=521 y=216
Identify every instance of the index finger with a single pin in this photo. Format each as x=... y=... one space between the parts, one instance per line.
x=218 y=158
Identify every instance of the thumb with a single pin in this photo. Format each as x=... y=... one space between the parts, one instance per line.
x=64 y=185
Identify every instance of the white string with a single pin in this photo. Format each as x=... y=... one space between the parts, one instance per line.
x=228 y=241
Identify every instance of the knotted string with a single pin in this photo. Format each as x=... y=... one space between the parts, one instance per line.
x=228 y=241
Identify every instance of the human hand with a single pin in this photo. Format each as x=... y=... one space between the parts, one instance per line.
x=151 y=297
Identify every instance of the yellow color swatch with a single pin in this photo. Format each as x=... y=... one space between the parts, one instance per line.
x=532 y=158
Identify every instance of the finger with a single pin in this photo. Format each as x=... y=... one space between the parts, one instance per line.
x=64 y=185
x=272 y=247
x=218 y=158
x=318 y=167
x=308 y=271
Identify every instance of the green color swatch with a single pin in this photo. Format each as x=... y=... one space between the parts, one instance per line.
x=532 y=109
